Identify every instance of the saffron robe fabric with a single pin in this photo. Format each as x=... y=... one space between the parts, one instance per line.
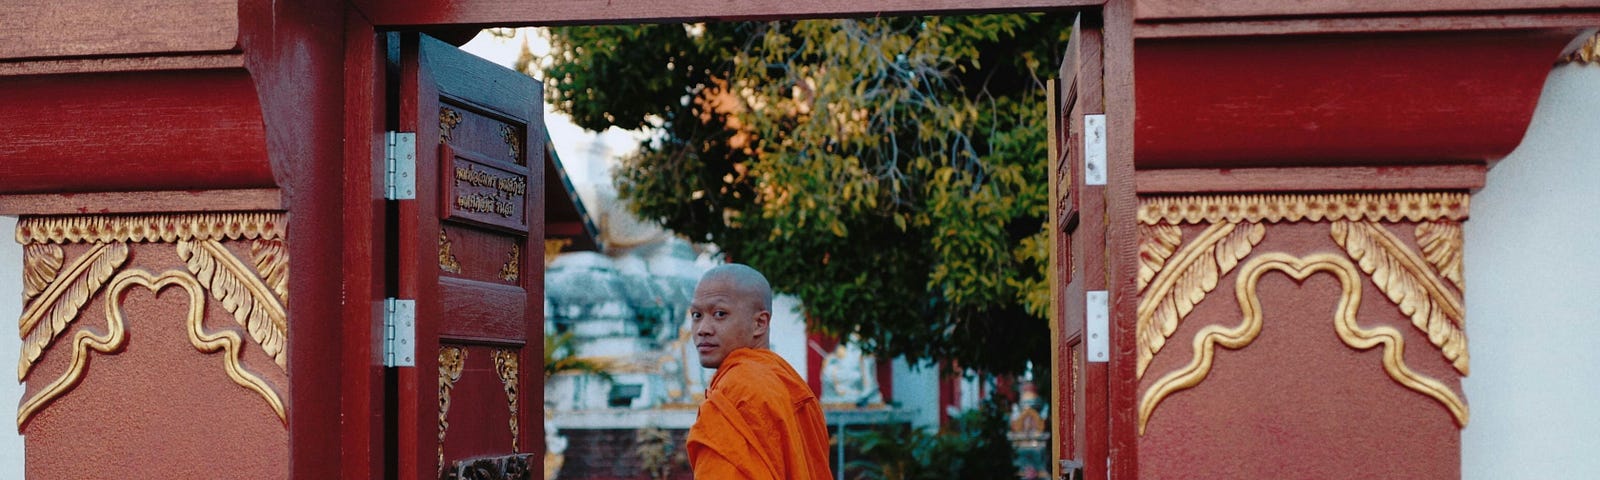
x=759 y=421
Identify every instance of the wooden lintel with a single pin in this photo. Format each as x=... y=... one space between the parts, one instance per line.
x=1574 y=20
x=261 y=199
x=1305 y=179
x=202 y=61
x=415 y=13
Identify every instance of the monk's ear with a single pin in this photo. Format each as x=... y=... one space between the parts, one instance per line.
x=763 y=321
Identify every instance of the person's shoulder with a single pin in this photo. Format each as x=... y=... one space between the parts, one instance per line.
x=753 y=378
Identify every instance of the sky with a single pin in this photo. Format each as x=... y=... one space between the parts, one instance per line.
x=588 y=157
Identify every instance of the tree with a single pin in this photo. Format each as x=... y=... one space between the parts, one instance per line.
x=888 y=171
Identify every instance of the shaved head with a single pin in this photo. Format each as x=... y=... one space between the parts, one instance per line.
x=745 y=279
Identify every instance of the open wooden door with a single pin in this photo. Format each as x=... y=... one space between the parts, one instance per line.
x=470 y=254
x=1080 y=319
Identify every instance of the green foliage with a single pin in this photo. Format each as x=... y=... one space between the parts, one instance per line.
x=890 y=172
x=972 y=446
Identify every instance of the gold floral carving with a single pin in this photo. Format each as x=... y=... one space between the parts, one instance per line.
x=1156 y=244
x=513 y=142
x=510 y=272
x=451 y=359
x=1588 y=53
x=40 y=263
x=448 y=119
x=252 y=303
x=151 y=228
x=1185 y=279
x=271 y=258
x=447 y=259
x=227 y=341
x=1408 y=281
x=1392 y=207
x=505 y=363
x=55 y=306
x=112 y=340
x=1441 y=246
x=1345 y=325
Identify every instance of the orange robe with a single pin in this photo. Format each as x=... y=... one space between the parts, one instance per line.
x=759 y=421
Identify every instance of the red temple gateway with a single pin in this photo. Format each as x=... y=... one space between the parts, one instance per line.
x=1259 y=277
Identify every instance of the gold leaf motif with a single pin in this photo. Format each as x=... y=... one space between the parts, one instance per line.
x=56 y=306
x=151 y=228
x=447 y=259
x=1156 y=244
x=1404 y=277
x=85 y=340
x=272 y=263
x=226 y=341
x=1393 y=207
x=40 y=264
x=1345 y=325
x=451 y=359
x=1185 y=280
x=505 y=363
x=510 y=272
x=1441 y=246
x=1588 y=53
x=448 y=119
x=251 y=302
x=513 y=142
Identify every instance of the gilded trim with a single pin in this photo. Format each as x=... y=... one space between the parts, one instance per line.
x=226 y=341
x=1586 y=54
x=151 y=228
x=1185 y=279
x=1156 y=244
x=447 y=259
x=1410 y=284
x=505 y=363
x=59 y=303
x=110 y=342
x=1345 y=325
x=513 y=142
x=40 y=264
x=250 y=300
x=1441 y=247
x=1393 y=207
x=511 y=271
x=451 y=359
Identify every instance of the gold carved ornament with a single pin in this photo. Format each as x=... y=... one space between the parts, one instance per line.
x=513 y=142
x=447 y=259
x=505 y=363
x=448 y=119
x=1174 y=287
x=1344 y=324
x=451 y=359
x=1405 y=278
x=56 y=295
x=511 y=271
x=1586 y=54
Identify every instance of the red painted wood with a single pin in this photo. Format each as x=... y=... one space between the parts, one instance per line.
x=1121 y=248
x=54 y=66
x=1216 y=9
x=72 y=28
x=1303 y=179
x=140 y=202
x=1363 y=25
x=482 y=312
x=196 y=130
x=362 y=404
x=1382 y=99
x=530 y=12
x=457 y=311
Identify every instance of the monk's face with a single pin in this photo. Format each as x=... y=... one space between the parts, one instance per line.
x=726 y=318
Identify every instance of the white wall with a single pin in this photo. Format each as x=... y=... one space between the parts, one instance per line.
x=1533 y=296
x=10 y=344
x=917 y=390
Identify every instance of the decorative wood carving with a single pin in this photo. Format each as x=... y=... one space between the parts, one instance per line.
x=252 y=303
x=448 y=119
x=1372 y=207
x=505 y=363
x=1194 y=272
x=513 y=142
x=1345 y=325
x=1425 y=286
x=56 y=291
x=451 y=359
x=510 y=272
x=447 y=259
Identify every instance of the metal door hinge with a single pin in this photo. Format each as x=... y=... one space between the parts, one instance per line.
x=399 y=332
x=1097 y=326
x=1094 y=149
x=400 y=160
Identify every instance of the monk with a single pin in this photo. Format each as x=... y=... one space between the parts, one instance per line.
x=759 y=420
